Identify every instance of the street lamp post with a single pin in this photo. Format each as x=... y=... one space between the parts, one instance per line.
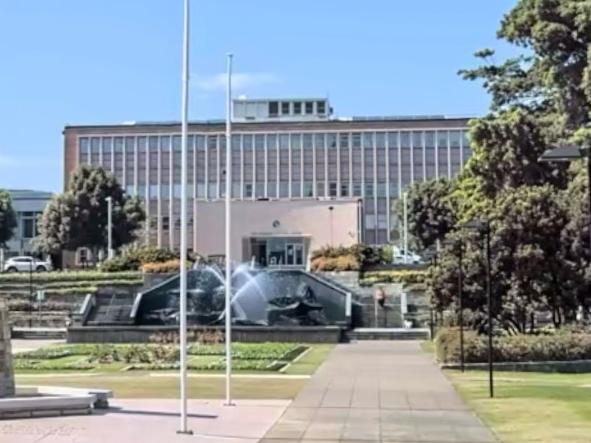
x=483 y=225
x=110 y=252
x=331 y=209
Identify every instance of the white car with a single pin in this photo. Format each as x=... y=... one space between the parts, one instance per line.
x=398 y=257
x=26 y=264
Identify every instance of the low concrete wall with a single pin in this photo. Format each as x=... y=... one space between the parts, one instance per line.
x=575 y=366
x=142 y=334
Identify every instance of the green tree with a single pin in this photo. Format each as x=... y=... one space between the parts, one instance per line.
x=7 y=218
x=431 y=214
x=78 y=218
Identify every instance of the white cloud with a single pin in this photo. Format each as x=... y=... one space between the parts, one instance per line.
x=240 y=80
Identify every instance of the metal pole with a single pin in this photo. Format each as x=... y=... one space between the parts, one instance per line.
x=183 y=266
x=489 y=302
x=31 y=293
x=228 y=231
x=589 y=196
x=110 y=253
x=330 y=209
x=405 y=233
x=461 y=303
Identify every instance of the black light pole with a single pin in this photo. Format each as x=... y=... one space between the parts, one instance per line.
x=483 y=225
x=489 y=302
x=461 y=303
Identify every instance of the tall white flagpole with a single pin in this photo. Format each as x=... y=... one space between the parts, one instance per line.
x=183 y=271
x=228 y=231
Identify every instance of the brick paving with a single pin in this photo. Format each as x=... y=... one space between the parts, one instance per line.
x=387 y=392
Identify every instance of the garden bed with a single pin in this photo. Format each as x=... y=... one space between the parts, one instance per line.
x=110 y=357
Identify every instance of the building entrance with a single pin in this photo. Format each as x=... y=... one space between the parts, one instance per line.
x=278 y=251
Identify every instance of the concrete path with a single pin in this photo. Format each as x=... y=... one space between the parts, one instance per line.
x=378 y=392
x=152 y=421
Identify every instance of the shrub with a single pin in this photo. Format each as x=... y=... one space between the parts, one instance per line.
x=134 y=257
x=59 y=277
x=341 y=263
x=564 y=345
x=404 y=276
x=161 y=268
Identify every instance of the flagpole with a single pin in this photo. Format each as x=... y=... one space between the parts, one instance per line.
x=183 y=266
x=228 y=314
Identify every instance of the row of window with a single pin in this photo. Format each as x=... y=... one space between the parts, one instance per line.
x=166 y=143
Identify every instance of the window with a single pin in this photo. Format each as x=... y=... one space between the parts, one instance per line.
x=370 y=221
x=153 y=192
x=297 y=108
x=344 y=190
x=357 y=189
x=308 y=189
x=273 y=109
x=165 y=223
x=332 y=189
x=285 y=108
x=321 y=107
x=28 y=228
x=248 y=190
x=309 y=108
x=83 y=256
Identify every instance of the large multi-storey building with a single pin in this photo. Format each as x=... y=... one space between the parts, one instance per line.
x=291 y=162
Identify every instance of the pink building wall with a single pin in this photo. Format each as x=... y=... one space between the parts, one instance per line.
x=310 y=219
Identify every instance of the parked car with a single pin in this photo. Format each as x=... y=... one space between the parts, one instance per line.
x=26 y=264
x=398 y=257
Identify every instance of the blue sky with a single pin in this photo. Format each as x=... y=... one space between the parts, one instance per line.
x=100 y=61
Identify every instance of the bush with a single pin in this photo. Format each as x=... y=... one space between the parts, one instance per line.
x=341 y=263
x=564 y=345
x=134 y=257
x=341 y=258
x=77 y=276
x=404 y=276
x=161 y=268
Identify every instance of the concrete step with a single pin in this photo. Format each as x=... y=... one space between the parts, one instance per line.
x=388 y=334
x=38 y=333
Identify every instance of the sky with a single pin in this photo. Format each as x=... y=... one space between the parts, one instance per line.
x=108 y=61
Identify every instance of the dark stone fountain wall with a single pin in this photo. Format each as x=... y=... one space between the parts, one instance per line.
x=6 y=368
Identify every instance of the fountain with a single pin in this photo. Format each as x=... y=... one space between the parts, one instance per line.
x=268 y=304
x=261 y=297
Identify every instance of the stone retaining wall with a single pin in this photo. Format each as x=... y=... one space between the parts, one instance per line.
x=6 y=368
x=142 y=334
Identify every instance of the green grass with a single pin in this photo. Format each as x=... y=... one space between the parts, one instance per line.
x=208 y=384
x=310 y=361
x=530 y=407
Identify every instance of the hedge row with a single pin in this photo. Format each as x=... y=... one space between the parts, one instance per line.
x=48 y=286
x=404 y=276
x=76 y=276
x=560 y=346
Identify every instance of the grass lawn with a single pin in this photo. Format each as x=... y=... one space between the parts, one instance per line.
x=202 y=384
x=530 y=407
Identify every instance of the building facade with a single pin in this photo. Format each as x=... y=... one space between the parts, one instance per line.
x=29 y=206
x=281 y=150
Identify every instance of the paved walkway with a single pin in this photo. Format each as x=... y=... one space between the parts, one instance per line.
x=378 y=392
x=152 y=421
